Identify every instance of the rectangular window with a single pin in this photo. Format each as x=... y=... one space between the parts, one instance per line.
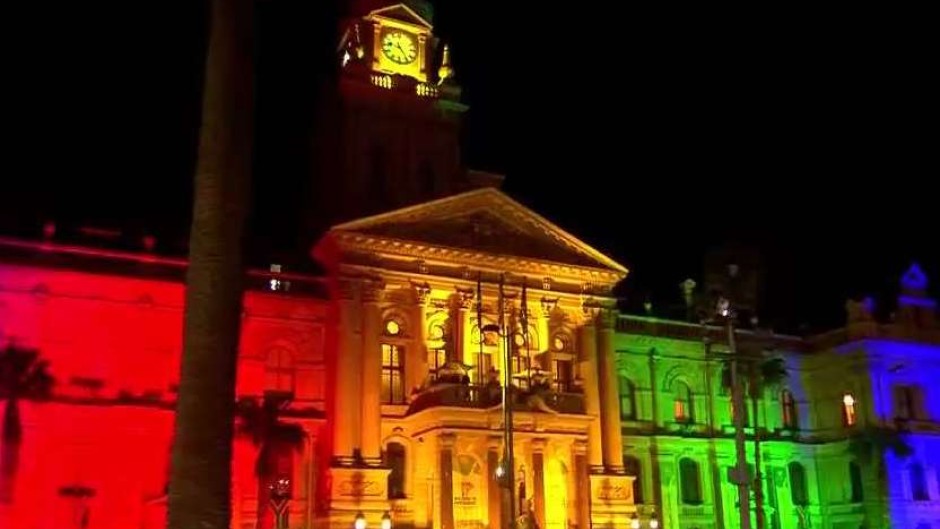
x=437 y=357
x=483 y=370
x=393 y=374
x=563 y=374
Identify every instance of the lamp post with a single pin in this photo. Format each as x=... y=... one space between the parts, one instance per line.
x=634 y=522
x=506 y=469
x=280 y=496
x=654 y=522
x=386 y=521
x=725 y=311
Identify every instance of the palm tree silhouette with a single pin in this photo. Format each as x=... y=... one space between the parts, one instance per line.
x=24 y=375
x=259 y=421
x=760 y=373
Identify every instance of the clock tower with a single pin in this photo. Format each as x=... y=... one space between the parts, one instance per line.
x=388 y=129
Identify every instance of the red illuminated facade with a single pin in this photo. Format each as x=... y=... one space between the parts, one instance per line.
x=110 y=326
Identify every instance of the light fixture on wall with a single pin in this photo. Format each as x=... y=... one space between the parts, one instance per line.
x=634 y=522
x=360 y=522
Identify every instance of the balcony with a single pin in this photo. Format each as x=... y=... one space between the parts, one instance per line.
x=488 y=396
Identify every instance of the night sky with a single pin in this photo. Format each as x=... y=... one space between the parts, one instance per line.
x=652 y=133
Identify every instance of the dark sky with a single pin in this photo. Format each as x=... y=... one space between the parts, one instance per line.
x=652 y=133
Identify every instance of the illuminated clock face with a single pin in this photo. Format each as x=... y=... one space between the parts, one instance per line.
x=399 y=47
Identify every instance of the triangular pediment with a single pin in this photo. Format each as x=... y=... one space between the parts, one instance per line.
x=484 y=222
x=401 y=13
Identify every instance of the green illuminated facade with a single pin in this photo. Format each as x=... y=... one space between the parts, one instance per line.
x=830 y=431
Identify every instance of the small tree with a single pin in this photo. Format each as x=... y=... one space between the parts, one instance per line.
x=259 y=421
x=24 y=375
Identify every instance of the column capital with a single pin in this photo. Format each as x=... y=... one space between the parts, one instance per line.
x=372 y=290
x=465 y=297
x=494 y=442
x=607 y=318
x=548 y=305
x=579 y=447
x=422 y=292
x=446 y=440
x=538 y=445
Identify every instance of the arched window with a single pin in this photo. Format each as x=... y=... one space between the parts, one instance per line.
x=684 y=405
x=279 y=371
x=632 y=466
x=395 y=460
x=691 y=481
x=627 y=399
x=919 y=483
x=798 y=484
x=855 y=478
x=788 y=409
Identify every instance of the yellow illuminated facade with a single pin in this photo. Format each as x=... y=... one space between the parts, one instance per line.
x=417 y=420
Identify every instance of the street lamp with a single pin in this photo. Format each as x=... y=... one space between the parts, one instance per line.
x=280 y=496
x=654 y=523
x=360 y=522
x=386 y=521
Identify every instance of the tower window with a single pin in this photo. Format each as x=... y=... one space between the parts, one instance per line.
x=848 y=410
x=563 y=375
x=393 y=374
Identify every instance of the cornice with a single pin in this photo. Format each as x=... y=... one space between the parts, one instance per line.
x=389 y=249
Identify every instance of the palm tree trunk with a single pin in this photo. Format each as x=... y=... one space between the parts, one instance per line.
x=10 y=455
x=201 y=473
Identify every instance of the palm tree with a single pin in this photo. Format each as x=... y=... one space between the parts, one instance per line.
x=761 y=373
x=200 y=480
x=24 y=375
x=260 y=422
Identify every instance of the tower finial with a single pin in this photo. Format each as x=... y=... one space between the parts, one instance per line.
x=445 y=71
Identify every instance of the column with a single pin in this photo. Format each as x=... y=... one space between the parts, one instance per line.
x=493 y=489
x=416 y=367
x=371 y=382
x=610 y=408
x=462 y=329
x=582 y=491
x=587 y=356
x=538 y=480
x=347 y=363
x=446 y=449
x=544 y=328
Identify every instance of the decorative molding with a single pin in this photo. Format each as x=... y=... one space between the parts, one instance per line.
x=422 y=292
x=465 y=297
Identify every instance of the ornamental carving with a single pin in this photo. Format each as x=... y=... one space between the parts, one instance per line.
x=358 y=488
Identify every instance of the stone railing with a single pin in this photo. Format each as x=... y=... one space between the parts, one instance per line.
x=484 y=397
